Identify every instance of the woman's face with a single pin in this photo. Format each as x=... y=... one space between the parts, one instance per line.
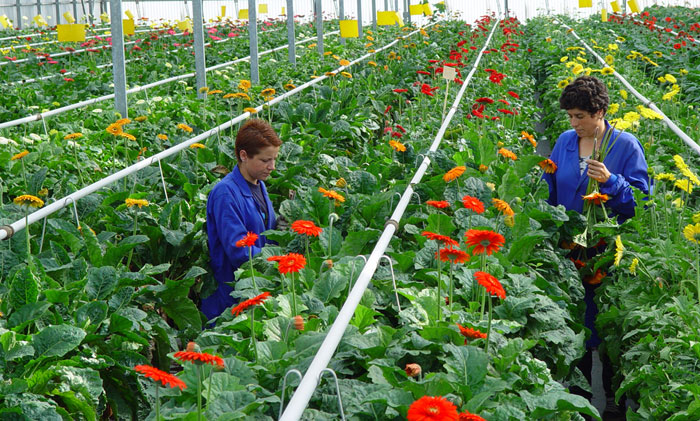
x=259 y=166
x=584 y=122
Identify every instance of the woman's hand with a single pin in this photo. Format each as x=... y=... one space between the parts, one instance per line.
x=597 y=171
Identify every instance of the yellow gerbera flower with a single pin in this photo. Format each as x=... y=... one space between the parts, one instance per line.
x=684 y=185
x=619 y=250
x=72 y=136
x=28 y=200
x=250 y=110
x=562 y=83
x=670 y=78
x=344 y=62
x=184 y=127
x=607 y=70
x=136 y=202
x=665 y=176
x=623 y=94
x=578 y=68
x=633 y=266
x=692 y=233
x=19 y=155
x=613 y=108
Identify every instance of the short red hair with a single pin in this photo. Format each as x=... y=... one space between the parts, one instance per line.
x=255 y=135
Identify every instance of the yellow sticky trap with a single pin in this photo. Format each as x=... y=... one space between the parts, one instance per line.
x=348 y=29
x=603 y=15
x=262 y=8
x=615 y=6
x=398 y=19
x=385 y=18
x=129 y=14
x=633 y=6
x=284 y=12
x=104 y=17
x=72 y=32
x=39 y=20
x=585 y=3
x=416 y=9
x=243 y=14
x=128 y=27
x=5 y=22
x=426 y=9
x=69 y=17
x=223 y=11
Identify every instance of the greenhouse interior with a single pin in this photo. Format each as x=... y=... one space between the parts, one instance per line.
x=502 y=221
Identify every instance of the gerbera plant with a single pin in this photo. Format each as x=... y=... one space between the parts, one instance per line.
x=308 y=229
x=493 y=287
x=199 y=359
x=249 y=241
x=290 y=264
x=166 y=379
x=251 y=303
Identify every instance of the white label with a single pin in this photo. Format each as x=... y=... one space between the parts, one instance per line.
x=449 y=73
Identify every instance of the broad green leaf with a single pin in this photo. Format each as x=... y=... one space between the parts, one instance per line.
x=363 y=317
x=330 y=286
x=24 y=288
x=510 y=186
x=184 y=313
x=27 y=314
x=115 y=254
x=57 y=340
x=467 y=364
x=441 y=224
x=91 y=314
x=357 y=242
x=522 y=247
x=230 y=403
x=101 y=282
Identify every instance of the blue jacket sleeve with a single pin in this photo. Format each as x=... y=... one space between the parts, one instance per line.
x=619 y=186
x=231 y=228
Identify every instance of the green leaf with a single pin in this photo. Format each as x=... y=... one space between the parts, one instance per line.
x=184 y=313
x=151 y=270
x=363 y=317
x=101 y=282
x=76 y=405
x=525 y=163
x=441 y=224
x=356 y=242
x=330 y=286
x=91 y=313
x=521 y=249
x=510 y=186
x=194 y=272
x=231 y=403
x=115 y=254
x=27 y=314
x=468 y=365
x=57 y=340
x=24 y=288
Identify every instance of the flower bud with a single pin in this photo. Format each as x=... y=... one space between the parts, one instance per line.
x=412 y=370
x=298 y=323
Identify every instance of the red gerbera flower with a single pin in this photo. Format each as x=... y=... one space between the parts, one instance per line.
x=306 y=227
x=423 y=72
x=468 y=416
x=505 y=111
x=473 y=204
x=292 y=262
x=484 y=241
x=161 y=376
x=485 y=100
x=513 y=94
x=237 y=310
x=388 y=108
x=426 y=89
x=470 y=333
x=399 y=91
x=248 y=240
x=274 y=258
x=439 y=204
x=491 y=284
x=454 y=255
x=432 y=408
x=441 y=238
x=199 y=356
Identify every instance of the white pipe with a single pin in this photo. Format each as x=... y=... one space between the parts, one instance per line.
x=309 y=382
x=671 y=125
x=9 y=230
x=91 y=101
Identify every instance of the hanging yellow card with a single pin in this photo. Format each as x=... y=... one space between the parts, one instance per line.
x=223 y=11
x=416 y=9
x=129 y=14
x=185 y=25
x=349 y=29
x=69 y=17
x=39 y=20
x=398 y=19
x=585 y=3
x=603 y=15
x=385 y=18
x=5 y=22
x=284 y=13
x=426 y=9
x=615 y=6
x=128 y=27
x=72 y=32
x=243 y=14
x=633 y=6
x=262 y=8
x=104 y=17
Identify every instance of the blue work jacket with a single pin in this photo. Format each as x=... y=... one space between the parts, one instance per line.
x=231 y=213
x=625 y=161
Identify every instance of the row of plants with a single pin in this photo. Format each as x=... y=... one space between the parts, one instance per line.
x=118 y=297
x=650 y=272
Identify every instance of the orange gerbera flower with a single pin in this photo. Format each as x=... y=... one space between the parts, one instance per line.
x=470 y=333
x=432 y=408
x=454 y=173
x=468 y=416
x=331 y=194
x=491 y=284
x=248 y=240
x=237 y=310
x=274 y=258
x=306 y=228
x=484 y=241
x=507 y=154
x=441 y=238
x=114 y=129
x=596 y=278
x=292 y=262
x=596 y=198
x=454 y=255
x=199 y=356
x=161 y=376
x=529 y=137
x=397 y=146
x=503 y=207
x=548 y=166
x=439 y=204
x=473 y=203
x=483 y=168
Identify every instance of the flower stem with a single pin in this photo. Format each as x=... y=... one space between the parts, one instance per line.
x=488 y=330
x=439 y=294
x=252 y=271
x=451 y=284
x=211 y=374
x=697 y=269
x=294 y=297
x=24 y=176
x=199 y=392
x=131 y=252
x=252 y=334
x=26 y=229
x=157 y=403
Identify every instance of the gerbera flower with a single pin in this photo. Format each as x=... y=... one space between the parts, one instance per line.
x=267 y=92
x=491 y=284
x=237 y=310
x=291 y=263
x=484 y=100
x=507 y=154
x=513 y=94
x=633 y=266
x=426 y=89
x=596 y=278
x=548 y=166
x=184 y=127
x=72 y=136
x=29 y=200
x=250 y=110
x=127 y=135
x=397 y=146
x=454 y=173
x=438 y=204
x=530 y=138
x=441 y=238
x=470 y=333
x=451 y=254
x=331 y=194
x=114 y=129
x=248 y=240
x=141 y=118
x=136 y=202
x=244 y=85
x=484 y=241
x=432 y=408
x=692 y=233
x=289 y=86
x=619 y=250
x=123 y=121
x=306 y=228
x=596 y=198
x=162 y=136
x=196 y=357
x=197 y=146
x=468 y=416
x=412 y=369
x=400 y=90
x=503 y=207
x=473 y=204
x=166 y=379
x=19 y=155
x=344 y=62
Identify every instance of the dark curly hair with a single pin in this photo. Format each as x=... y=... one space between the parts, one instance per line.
x=586 y=93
